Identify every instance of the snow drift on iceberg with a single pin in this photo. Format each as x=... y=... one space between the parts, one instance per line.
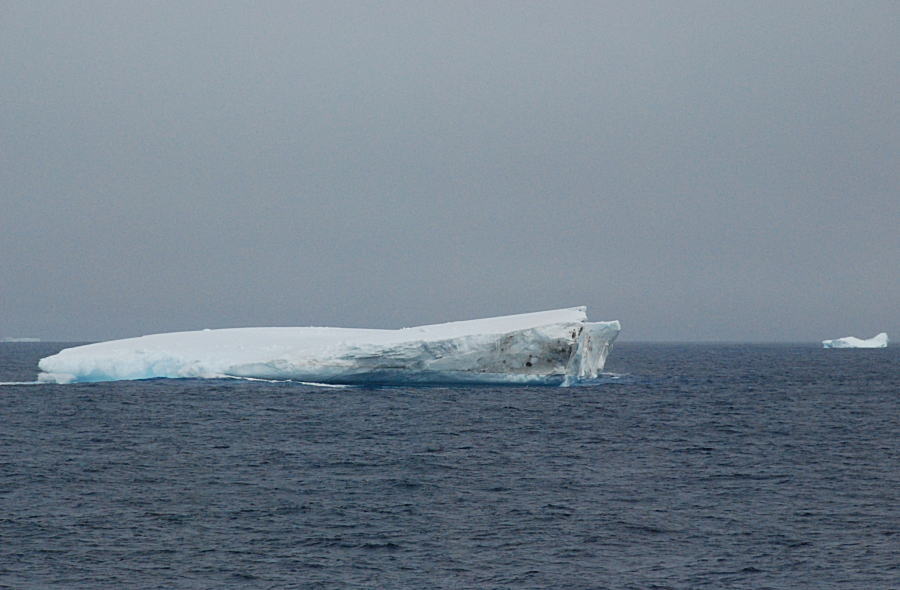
x=879 y=341
x=557 y=347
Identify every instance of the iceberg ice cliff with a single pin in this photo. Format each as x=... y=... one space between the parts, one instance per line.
x=557 y=347
x=879 y=341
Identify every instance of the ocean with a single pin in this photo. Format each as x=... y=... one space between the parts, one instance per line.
x=690 y=466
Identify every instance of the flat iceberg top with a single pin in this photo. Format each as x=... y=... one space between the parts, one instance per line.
x=879 y=341
x=544 y=347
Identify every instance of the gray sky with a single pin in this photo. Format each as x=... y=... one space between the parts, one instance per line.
x=697 y=170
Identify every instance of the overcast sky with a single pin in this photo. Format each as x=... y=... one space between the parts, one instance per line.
x=697 y=170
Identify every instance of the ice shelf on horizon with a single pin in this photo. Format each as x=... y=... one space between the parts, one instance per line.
x=556 y=347
x=879 y=341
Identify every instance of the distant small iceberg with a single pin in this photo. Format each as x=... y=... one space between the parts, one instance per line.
x=14 y=339
x=879 y=341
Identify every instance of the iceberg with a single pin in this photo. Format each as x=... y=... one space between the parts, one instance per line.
x=556 y=347
x=879 y=341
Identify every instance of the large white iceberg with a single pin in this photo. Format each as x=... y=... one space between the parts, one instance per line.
x=557 y=347
x=879 y=341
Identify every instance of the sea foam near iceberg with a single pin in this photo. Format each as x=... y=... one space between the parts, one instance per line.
x=556 y=347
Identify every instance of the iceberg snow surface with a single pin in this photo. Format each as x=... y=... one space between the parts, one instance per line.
x=557 y=347
x=879 y=341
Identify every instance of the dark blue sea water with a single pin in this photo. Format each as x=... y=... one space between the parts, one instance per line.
x=695 y=466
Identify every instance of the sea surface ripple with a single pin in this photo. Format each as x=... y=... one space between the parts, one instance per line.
x=691 y=466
